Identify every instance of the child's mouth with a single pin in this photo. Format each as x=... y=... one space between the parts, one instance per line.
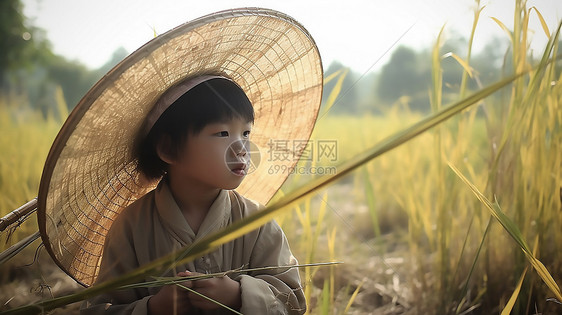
x=239 y=172
x=238 y=169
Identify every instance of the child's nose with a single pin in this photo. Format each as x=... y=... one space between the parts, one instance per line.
x=240 y=147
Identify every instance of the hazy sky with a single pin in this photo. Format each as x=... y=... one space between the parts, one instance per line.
x=358 y=33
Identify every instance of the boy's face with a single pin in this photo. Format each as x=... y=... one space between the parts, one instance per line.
x=216 y=157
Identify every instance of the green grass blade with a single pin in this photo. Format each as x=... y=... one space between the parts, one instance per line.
x=208 y=299
x=503 y=27
x=461 y=62
x=370 y=195
x=541 y=19
x=332 y=76
x=509 y=306
x=352 y=298
x=160 y=281
x=477 y=12
x=436 y=74
x=335 y=91
x=62 y=108
x=325 y=310
x=473 y=266
x=515 y=233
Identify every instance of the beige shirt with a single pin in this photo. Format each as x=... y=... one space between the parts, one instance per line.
x=154 y=226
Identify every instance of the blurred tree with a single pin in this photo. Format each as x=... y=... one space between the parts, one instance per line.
x=14 y=36
x=493 y=61
x=400 y=76
x=405 y=79
x=118 y=55
x=347 y=101
x=74 y=78
x=22 y=47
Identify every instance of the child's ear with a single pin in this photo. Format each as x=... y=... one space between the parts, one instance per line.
x=164 y=149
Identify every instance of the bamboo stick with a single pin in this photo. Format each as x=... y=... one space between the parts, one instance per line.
x=18 y=247
x=17 y=214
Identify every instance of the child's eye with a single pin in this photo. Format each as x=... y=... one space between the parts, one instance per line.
x=246 y=133
x=222 y=134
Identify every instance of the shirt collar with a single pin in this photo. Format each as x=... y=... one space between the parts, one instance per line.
x=217 y=217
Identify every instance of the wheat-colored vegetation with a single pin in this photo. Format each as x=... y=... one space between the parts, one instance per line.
x=462 y=219
x=26 y=136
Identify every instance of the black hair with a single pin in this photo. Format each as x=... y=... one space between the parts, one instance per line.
x=215 y=100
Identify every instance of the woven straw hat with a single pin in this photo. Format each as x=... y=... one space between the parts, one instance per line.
x=90 y=174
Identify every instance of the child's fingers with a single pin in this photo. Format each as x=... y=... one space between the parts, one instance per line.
x=187 y=273
x=206 y=283
x=194 y=284
x=201 y=302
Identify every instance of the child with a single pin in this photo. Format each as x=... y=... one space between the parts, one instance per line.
x=195 y=146
x=148 y=161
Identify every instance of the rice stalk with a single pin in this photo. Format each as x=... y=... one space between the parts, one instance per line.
x=530 y=138
x=26 y=137
x=477 y=12
x=370 y=195
x=305 y=222
x=331 y=250
x=161 y=281
x=473 y=266
x=332 y=76
x=208 y=298
x=509 y=306
x=353 y=296
x=443 y=232
x=320 y=219
x=515 y=233
x=325 y=298
x=62 y=107
x=331 y=100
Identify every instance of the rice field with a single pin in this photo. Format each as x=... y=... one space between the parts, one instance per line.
x=462 y=219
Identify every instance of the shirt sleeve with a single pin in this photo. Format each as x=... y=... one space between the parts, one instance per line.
x=118 y=258
x=276 y=291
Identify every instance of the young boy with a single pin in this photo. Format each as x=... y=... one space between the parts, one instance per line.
x=197 y=145
x=148 y=160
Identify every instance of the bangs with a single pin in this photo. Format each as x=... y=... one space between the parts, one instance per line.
x=215 y=100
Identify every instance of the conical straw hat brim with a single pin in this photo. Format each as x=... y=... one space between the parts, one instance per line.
x=90 y=174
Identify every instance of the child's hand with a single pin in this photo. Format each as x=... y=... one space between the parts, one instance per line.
x=222 y=289
x=171 y=299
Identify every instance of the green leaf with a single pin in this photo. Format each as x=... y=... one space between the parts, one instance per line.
x=370 y=195
x=332 y=76
x=353 y=296
x=461 y=62
x=208 y=298
x=509 y=306
x=513 y=230
x=543 y=23
x=335 y=91
x=503 y=27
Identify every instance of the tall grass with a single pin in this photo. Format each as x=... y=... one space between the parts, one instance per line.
x=517 y=162
x=462 y=260
x=25 y=139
